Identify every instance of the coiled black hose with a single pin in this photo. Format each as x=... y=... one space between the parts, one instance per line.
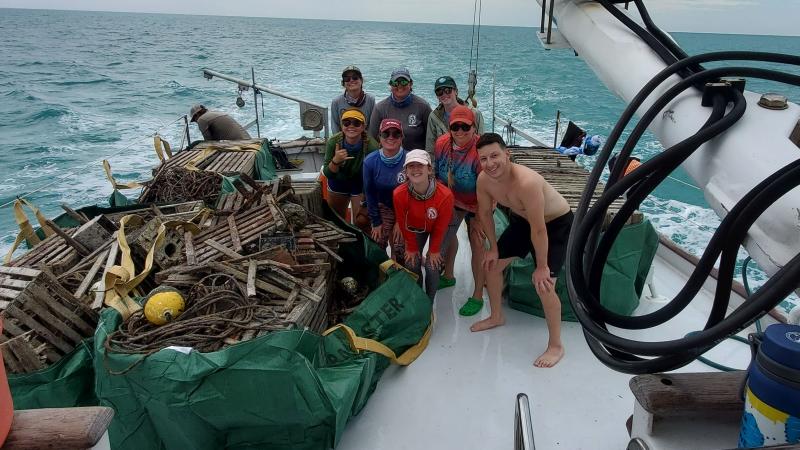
x=587 y=252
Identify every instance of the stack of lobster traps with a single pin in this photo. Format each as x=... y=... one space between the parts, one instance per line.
x=260 y=255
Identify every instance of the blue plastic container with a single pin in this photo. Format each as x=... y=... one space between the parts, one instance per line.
x=772 y=397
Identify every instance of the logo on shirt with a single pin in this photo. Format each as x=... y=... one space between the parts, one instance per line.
x=412 y=120
x=432 y=213
x=401 y=178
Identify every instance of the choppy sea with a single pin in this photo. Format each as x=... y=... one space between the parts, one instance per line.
x=80 y=87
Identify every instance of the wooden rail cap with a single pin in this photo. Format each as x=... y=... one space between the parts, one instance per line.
x=685 y=394
x=61 y=428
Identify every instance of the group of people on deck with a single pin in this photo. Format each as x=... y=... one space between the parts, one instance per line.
x=411 y=175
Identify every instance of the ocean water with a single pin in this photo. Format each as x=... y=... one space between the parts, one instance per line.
x=80 y=87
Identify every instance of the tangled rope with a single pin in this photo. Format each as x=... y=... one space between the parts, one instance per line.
x=217 y=309
x=176 y=185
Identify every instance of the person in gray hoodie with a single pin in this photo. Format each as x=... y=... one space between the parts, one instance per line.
x=353 y=97
x=412 y=111
x=216 y=126
x=447 y=92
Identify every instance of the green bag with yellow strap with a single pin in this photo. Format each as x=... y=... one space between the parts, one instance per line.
x=291 y=389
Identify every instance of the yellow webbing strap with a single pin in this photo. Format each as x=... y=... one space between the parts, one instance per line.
x=161 y=147
x=114 y=184
x=359 y=343
x=122 y=279
x=206 y=152
x=25 y=228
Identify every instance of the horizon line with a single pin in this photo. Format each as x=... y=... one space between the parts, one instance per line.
x=352 y=20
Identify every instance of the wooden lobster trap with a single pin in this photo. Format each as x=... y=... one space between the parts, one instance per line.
x=42 y=321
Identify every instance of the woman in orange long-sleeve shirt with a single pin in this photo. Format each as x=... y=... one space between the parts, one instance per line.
x=423 y=208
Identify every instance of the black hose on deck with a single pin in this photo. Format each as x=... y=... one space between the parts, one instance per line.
x=587 y=252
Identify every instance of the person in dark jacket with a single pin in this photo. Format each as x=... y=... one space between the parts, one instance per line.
x=216 y=126
x=401 y=104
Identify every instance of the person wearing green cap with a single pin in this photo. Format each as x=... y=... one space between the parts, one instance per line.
x=439 y=120
x=352 y=97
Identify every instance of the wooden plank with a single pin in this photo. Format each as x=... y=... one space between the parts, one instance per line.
x=237 y=244
x=686 y=394
x=110 y=262
x=64 y=428
x=12 y=283
x=54 y=285
x=79 y=217
x=39 y=307
x=304 y=291
x=251 y=278
x=10 y=360
x=21 y=271
x=83 y=251
x=64 y=312
x=25 y=354
x=87 y=280
x=222 y=249
x=188 y=245
x=10 y=294
x=277 y=215
x=11 y=327
x=329 y=252
x=241 y=276
x=40 y=330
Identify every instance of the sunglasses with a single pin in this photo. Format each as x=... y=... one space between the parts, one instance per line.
x=460 y=126
x=391 y=133
x=399 y=82
x=442 y=91
x=415 y=229
x=352 y=123
x=345 y=78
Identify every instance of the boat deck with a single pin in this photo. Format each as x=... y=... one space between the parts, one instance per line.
x=460 y=393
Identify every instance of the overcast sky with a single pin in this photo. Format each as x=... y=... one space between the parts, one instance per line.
x=712 y=16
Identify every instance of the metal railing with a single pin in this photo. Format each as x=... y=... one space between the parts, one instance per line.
x=323 y=110
x=523 y=427
x=511 y=131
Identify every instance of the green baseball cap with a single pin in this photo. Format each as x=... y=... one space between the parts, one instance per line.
x=445 y=81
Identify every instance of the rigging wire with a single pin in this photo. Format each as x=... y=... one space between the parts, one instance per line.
x=472 y=77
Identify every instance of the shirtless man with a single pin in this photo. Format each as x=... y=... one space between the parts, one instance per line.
x=539 y=224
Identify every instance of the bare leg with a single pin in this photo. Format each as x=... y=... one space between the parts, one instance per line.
x=360 y=217
x=338 y=203
x=477 y=249
x=552 y=315
x=450 y=244
x=494 y=284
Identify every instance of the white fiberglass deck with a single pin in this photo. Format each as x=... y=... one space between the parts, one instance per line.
x=460 y=393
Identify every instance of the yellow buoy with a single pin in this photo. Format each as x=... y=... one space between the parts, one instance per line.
x=163 y=307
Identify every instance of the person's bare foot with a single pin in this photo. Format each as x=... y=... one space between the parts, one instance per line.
x=550 y=357
x=487 y=324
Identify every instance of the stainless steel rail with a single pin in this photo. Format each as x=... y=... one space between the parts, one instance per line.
x=523 y=427
x=512 y=130
x=209 y=74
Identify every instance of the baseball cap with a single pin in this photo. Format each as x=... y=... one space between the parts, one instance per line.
x=195 y=109
x=444 y=81
x=391 y=123
x=353 y=113
x=462 y=114
x=352 y=68
x=400 y=72
x=417 y=156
